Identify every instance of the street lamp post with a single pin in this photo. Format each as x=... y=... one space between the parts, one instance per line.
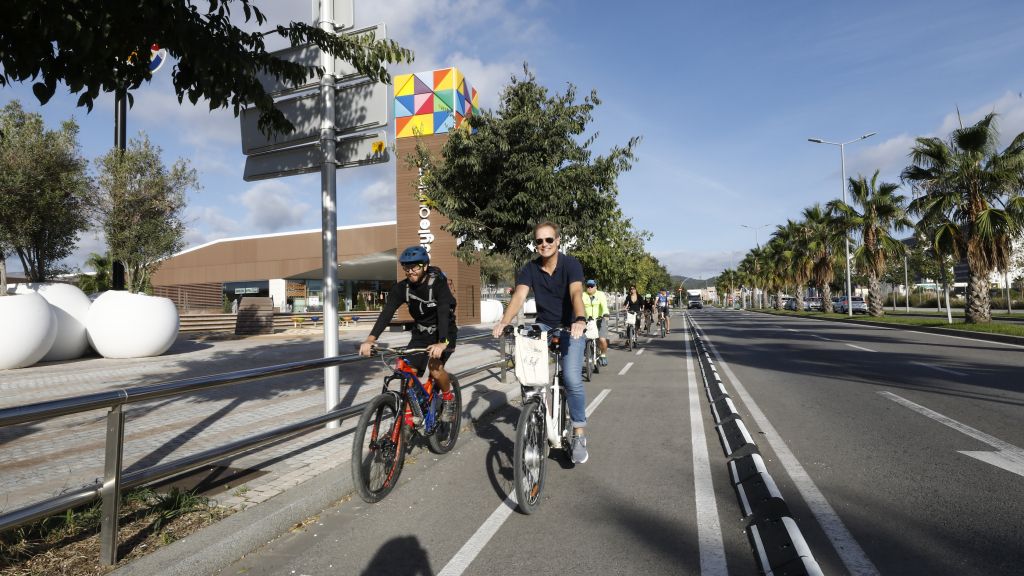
x=842 y=157
x=760 y=302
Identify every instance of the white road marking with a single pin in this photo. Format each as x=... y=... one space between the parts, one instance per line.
x=848 y=549
x=640 y=351
x=469 y=551
x=967 y=338
x=1008 y=457
x=709 y=529
x=625 y=368
x=939 y=368
x=822 y=337
x=792 y=329
x=859 y=347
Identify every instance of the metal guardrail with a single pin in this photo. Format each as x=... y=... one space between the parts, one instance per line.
x=109 y=490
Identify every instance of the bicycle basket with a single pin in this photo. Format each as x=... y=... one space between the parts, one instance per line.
x=532 y=360
x=591 y=332
x=630 y=317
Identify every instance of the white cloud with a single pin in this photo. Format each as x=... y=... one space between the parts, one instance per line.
x=274 y=206
x=376 y=202
x=698 y=264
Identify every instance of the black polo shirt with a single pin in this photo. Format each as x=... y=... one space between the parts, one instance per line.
x=551 y=291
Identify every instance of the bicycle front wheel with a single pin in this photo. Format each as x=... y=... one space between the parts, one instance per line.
x=629 y=338
x=529 y=461
x=446 y=432
x=378 y=449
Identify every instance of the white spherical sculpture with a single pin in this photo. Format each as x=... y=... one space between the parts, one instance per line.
x=29 y=327
x=126 y=325
x=490 y=311
x=70 y=306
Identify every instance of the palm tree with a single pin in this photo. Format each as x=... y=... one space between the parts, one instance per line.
x=99 y=281
x=727 y=279
x=795 y=258
x=824 y=241
x=882 y=211
x=972 y=193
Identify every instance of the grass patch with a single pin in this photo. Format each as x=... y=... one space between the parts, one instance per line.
x=68 y=544
x=939 y=321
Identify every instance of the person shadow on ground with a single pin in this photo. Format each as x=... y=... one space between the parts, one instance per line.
x=402 y=556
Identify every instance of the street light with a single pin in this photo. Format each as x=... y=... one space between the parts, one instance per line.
x=760 y=303
x=842 y=156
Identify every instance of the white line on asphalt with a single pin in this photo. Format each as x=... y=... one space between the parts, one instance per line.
x=625 y=368
x=966 y=338
x=640 y=351
x=465 y=556
x=1008 y=457
x=792 y=330
x=709 y=529
x=846 y=546
x=822 y=337
x=858 y=347
x=939 y=368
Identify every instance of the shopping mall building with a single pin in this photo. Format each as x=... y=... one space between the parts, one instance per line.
x=288 y=266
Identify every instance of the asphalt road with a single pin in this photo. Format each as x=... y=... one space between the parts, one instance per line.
x=913 y=439
x=897 y=453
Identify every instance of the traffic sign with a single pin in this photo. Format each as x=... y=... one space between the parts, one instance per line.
x=309 y=55
x=361 y=150
x=358 y=107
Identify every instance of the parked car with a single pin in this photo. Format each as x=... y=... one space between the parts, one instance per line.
x=835 y=304
x=789 y=304
x=858 y=305
x=812 y=304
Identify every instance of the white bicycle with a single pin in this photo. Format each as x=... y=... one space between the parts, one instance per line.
x=544 y=420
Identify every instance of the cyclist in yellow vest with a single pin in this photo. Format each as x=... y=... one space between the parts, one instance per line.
x=595 y=305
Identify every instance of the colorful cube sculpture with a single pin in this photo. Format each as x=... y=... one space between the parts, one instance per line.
x=432 y=102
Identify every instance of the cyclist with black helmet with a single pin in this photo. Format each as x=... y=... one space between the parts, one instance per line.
x=432 y=306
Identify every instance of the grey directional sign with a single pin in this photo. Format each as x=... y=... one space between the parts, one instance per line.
x=361 y=150
x=309 y=55
x=358 y=107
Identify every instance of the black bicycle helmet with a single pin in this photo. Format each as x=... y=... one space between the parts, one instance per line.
x=414 y=255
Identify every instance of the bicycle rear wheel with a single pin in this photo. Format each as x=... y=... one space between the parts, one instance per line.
x=446 y=433
x=378 y=449
x=529 y=461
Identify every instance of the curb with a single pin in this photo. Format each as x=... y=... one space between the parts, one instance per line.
x=774 y=536
x=224 y=542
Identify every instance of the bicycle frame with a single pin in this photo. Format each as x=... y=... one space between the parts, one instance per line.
x=552 y=409
x=425 y=392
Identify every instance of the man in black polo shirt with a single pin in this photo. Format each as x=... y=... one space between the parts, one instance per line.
x=557 y=283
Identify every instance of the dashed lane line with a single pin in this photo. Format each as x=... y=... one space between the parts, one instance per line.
x=469 y=551
x=625 y=368
x=859 y=347
x=939 y=368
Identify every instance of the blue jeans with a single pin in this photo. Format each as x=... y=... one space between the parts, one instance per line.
x=571 y=350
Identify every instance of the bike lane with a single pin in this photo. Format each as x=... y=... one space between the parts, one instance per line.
x=630 y=509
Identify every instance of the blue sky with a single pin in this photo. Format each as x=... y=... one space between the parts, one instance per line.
x=724 y=94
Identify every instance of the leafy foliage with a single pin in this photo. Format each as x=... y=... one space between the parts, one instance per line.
x=141 y=207
x=526 y=162
x=45 y=191
x=971 y=201
x=105 y=46
x=101 y=278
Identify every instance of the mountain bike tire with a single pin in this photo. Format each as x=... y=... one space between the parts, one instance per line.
x=529 y=462
x=377 y=458
x=446 y=434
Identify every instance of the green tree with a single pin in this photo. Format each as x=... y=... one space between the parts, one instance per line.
x=526 y=162
x=882 y=210
x=824 y=241
x=615 y=261
x=45 y=192
x=972 y=192
x=141 y=207
x=496 y=269
x=105 y=46
x=794 y=261
x=100 y=279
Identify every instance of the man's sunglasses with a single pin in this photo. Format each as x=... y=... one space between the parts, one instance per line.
x=412 y=267
x=539 y=241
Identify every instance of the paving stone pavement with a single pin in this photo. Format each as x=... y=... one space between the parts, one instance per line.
x=43 y=459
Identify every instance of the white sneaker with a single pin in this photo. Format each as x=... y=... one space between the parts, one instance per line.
x=579 y=450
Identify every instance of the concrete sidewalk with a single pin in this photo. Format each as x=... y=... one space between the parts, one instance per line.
x=43 y=459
